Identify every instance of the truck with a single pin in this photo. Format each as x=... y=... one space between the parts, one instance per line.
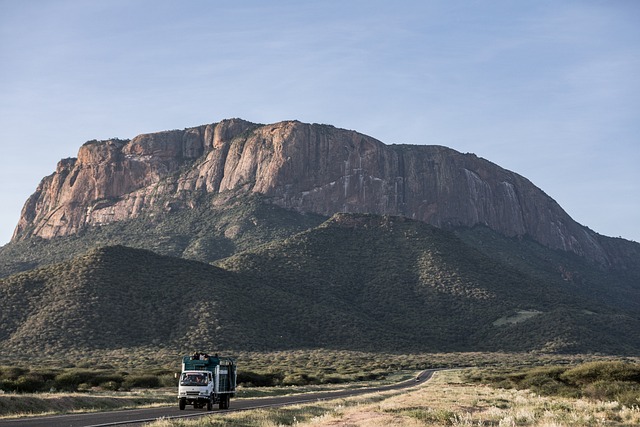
x=206 y=380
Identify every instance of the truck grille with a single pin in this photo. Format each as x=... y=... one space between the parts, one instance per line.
x=193 y=393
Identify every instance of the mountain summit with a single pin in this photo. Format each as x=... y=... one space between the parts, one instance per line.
x=304 y=167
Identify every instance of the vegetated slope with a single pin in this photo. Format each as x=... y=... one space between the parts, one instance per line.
x=434 y=292
x=113 y=297
x=217 y=226
x=358 y=282
x=614 y=286
x=119 y=297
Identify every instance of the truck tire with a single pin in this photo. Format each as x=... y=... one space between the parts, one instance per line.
x=182 y=404
x=224 y=401
x=210 y=404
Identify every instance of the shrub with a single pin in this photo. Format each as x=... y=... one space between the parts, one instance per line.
x=110 y=385
x=70 y=380
x=299 y=379
x=603 y=371
x=7 y=385
x=547 y=381
x=168 y=380
x=141 y=381
x=13 y=372
x=625 y=392
x=255 y=379
x=619 y=381
x=29 y=384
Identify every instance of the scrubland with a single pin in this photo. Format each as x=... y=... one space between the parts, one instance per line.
x=449 y=399
x=475 y=389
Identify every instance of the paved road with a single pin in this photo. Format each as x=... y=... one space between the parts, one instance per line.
x=133 y=417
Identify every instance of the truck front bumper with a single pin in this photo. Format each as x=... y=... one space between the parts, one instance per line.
x=191 y=398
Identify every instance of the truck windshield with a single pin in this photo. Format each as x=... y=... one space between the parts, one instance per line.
x=193 y=379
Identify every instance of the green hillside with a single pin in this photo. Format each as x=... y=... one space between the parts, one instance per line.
x=216 y=227
x=443 y=293
x=616 y=285
x=357 y=282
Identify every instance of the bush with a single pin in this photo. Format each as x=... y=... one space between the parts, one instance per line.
x=625 y=392
x=110 y=385
x=603 y=371
x=12 y=373
x=619 y=381
x=255 y=379
x=168 y=380
x=28 y=384
x=23 y=380
x=70 y=380
x=333 y=379
x=546 y=381
x=299 y=379
x=103 y=378
x=141 y=381
x=7 y=385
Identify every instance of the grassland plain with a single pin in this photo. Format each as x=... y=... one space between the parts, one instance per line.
x=567 y=390
x=139 y=377
x=447 y=400
x=132 y=368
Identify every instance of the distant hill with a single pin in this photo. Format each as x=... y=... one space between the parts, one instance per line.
x=361 y=282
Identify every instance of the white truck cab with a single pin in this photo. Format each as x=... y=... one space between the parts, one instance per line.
x=196 y=388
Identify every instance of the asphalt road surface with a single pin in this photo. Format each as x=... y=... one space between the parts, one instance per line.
x=133 y=417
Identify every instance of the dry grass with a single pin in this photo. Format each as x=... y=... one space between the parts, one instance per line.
x=444 y=401
x=25 y=405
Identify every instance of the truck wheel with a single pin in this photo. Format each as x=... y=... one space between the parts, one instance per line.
x=224 y=401
x=182 y=404
x=210 y=404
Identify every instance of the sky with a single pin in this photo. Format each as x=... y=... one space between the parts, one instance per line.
x=547 y=89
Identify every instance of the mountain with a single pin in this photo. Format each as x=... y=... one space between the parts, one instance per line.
x=304 y=167
x=262 y=237
x=356 y=281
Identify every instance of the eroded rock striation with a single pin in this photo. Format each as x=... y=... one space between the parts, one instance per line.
x=306 y=167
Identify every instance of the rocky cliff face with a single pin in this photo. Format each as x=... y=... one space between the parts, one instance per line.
x=313 y=168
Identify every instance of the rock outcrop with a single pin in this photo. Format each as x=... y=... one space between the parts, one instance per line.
x=306 y=167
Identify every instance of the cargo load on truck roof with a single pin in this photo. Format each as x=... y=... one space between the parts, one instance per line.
x=204 y=362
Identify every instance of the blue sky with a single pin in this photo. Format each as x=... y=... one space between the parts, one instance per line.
x=548 y=89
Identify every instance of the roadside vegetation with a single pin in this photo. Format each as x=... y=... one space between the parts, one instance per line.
x=14 y=405
x=612 y=381
x=142 y=378
x=145 y=368
x=449 y=399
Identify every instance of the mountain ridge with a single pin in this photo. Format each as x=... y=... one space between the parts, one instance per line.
x=304 y=167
